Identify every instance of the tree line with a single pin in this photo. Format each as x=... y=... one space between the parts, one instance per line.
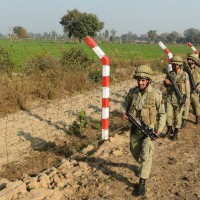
x=77 y=25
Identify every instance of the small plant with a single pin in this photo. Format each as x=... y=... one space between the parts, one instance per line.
x=78 y=126
x=95 y=76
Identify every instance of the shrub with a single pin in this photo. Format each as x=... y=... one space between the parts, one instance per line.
x=75 y=58
x=6 y=63
x=78 y=127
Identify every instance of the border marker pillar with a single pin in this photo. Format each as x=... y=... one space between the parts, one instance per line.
x=192 y=47
x=105 y=85
x=168 y=53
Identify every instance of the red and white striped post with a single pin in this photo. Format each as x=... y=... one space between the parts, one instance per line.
x=105 y=85
x=192 y=47
x=168 y=53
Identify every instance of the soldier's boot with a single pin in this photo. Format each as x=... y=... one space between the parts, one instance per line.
x=169 y=131
x=183 y=125
x=197 y=120
x=141 y=187
x=175 y=136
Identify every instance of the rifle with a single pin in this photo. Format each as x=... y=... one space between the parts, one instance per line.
x=176 y=89
x=145 y=129
x=191 y=79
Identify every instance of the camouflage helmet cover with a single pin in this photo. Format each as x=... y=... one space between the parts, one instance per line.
x=143 y=71
x=194 y=57
x=177 y=60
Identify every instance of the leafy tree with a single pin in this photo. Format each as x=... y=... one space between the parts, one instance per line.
x=79 y=25
x=174 y=36
x=152 y=34
x=113 y=33
x=20 y=32
x=192 y=35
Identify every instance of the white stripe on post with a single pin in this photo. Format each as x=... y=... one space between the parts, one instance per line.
x=168 y=53
x=105 y=85
x=192 y=47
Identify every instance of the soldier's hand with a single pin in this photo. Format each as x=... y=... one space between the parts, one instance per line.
x=186 y=102
x=167 y=82
x=124 y=116
x=158 y=133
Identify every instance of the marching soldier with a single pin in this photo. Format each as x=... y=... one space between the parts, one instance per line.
x=144 y=102
x=174 y=108
x=193 y=62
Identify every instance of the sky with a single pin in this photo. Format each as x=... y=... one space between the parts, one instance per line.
x=137 y=16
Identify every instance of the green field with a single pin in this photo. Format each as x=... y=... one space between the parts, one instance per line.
x=22 y=50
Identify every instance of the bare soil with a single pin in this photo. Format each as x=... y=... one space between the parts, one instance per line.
x=36 y=142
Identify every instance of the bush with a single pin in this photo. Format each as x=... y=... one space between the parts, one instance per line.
x=40 y=63
x=75 y=58
x=6 y=63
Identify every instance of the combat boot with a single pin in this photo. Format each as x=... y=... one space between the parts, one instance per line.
x=197 y=120
x=141 y=187
x=183 y=125
x=169 y=131
x=175 y=136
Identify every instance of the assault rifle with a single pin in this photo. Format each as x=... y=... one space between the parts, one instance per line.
x=191 y=79
x=145 y=129
x=175 y=87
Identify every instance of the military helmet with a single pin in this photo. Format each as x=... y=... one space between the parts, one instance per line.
x=194 y=57
x=143 y=71
x=176 y=60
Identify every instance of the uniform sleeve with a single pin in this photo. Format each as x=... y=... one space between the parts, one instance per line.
x=161 y=112
x=198 y=80
x=187 y=86
x=127 y=103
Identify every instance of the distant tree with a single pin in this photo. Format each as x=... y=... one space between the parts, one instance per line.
x=79 y=25
x=192 y=35
x=113 y=33
x=20 y=32
x=174 y=36
x=129 y=37
x=106 y=33
x=152 y=35
x=54 y=34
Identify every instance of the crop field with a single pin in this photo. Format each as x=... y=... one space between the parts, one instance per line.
x=20 y=51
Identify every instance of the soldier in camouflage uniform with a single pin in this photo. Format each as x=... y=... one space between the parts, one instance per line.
x=192 y=61
x=144 y=102
x=174 y=108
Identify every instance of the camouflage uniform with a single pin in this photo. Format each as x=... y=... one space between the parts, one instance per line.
x=195 y=92
x=174 y=109
x=146 y=106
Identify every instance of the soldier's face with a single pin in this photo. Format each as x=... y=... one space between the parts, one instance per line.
x=143 y=83
x=176 y=68
x=191 y=62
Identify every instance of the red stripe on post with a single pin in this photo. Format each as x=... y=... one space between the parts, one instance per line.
x=90 y=42
x=169 y=60
x=166 y=51
x=105 y=60
x=196 y=52
x=189 y=44
x=105 y=81
x=105 y=102
x=105 y=124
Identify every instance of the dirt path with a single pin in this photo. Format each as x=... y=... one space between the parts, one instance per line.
x=100 y=171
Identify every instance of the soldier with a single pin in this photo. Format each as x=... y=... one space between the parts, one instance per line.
x=174 y=108
x=144 y=102
x=193 y=61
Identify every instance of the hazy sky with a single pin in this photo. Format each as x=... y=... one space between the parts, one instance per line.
x=137 y=16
